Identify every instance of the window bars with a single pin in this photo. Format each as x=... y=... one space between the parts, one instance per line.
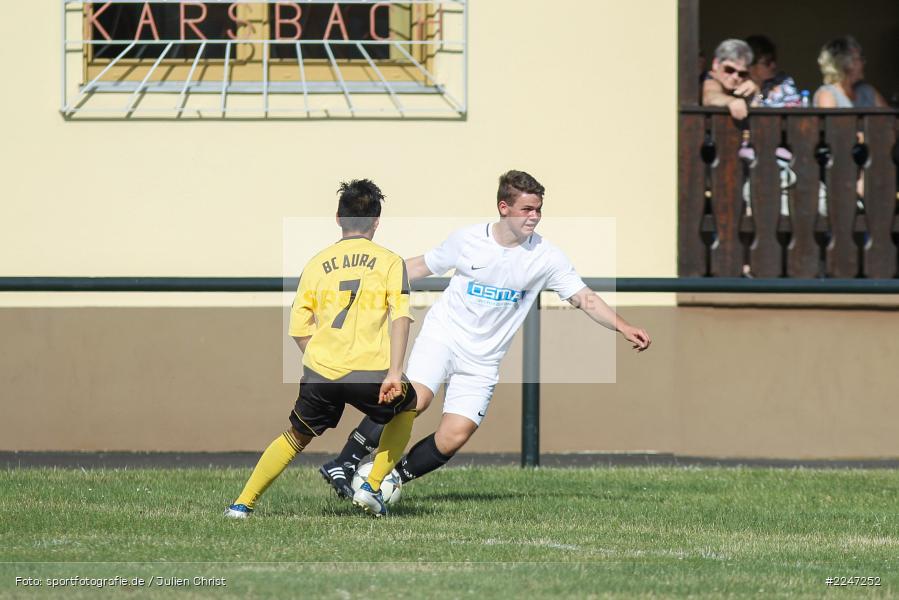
x=166 y=67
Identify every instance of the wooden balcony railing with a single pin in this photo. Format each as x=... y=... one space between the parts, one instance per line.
x=789 y=193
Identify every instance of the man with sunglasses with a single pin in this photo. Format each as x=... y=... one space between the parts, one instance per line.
x=728 y=82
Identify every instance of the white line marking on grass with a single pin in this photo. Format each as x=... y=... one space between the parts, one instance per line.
x=539 y=543
x=864 y=541
x=552 y=544
x=707 y=552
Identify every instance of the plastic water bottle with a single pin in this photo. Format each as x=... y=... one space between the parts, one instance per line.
x=806 y=101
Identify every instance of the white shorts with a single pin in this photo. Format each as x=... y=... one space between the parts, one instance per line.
x=469 y=386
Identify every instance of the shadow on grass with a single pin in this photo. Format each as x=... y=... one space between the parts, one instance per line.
x=344 y=509
x=401 y=510
x=425 y=503
x=463 y=496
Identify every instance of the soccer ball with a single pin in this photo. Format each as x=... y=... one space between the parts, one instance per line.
x=390 y=487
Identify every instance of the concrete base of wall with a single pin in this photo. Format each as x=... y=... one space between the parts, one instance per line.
x=723 y=382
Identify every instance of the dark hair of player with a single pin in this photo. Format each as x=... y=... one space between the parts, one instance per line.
x=514 y=183
x=359 y=205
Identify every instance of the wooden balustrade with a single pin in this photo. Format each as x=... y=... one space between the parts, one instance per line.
x=788 y=193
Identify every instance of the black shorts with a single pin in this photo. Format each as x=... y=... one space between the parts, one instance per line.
x=320 y=401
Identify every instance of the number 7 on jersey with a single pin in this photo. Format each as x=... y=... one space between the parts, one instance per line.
x=353 y=286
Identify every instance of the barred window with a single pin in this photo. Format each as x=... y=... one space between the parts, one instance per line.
x=396 y=50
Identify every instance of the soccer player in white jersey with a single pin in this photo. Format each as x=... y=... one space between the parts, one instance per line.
x=500 y=268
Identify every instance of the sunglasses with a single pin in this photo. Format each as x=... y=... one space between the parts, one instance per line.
x=731 y=70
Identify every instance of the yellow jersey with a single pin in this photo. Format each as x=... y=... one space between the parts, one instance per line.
x=345 y=295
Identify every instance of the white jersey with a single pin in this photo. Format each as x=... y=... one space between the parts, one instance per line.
x=492 y=290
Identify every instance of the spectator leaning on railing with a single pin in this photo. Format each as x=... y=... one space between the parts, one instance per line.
x=776 y=88
x=843 y=70
x=728 y=82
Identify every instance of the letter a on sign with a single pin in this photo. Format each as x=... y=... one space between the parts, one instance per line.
x=146 y=18
x=336 y=19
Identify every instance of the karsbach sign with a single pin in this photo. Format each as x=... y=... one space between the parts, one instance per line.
x=286 y=22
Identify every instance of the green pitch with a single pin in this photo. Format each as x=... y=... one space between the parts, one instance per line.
x=459 y=533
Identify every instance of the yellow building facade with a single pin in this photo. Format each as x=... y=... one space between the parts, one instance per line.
x=583 y=95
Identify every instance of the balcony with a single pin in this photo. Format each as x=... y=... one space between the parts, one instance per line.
x=800 y=193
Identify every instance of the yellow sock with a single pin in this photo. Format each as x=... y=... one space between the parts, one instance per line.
x=271 y=464
x=393 y=441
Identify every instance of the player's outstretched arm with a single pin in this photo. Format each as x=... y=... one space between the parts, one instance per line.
x=392 y=386
x=417 y=268
x=589 y=301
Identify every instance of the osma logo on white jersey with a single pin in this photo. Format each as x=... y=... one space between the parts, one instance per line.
x=494 y=296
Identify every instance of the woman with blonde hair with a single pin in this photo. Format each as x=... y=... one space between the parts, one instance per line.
x=843 y=69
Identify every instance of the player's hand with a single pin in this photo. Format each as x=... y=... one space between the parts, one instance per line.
x=391 y=388
x=638 y=337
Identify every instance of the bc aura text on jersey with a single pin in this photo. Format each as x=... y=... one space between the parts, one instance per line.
x=349 y=260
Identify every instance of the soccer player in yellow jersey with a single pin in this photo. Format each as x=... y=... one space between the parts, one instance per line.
x=347 y=294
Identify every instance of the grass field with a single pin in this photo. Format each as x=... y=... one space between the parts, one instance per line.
x=460 y=533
